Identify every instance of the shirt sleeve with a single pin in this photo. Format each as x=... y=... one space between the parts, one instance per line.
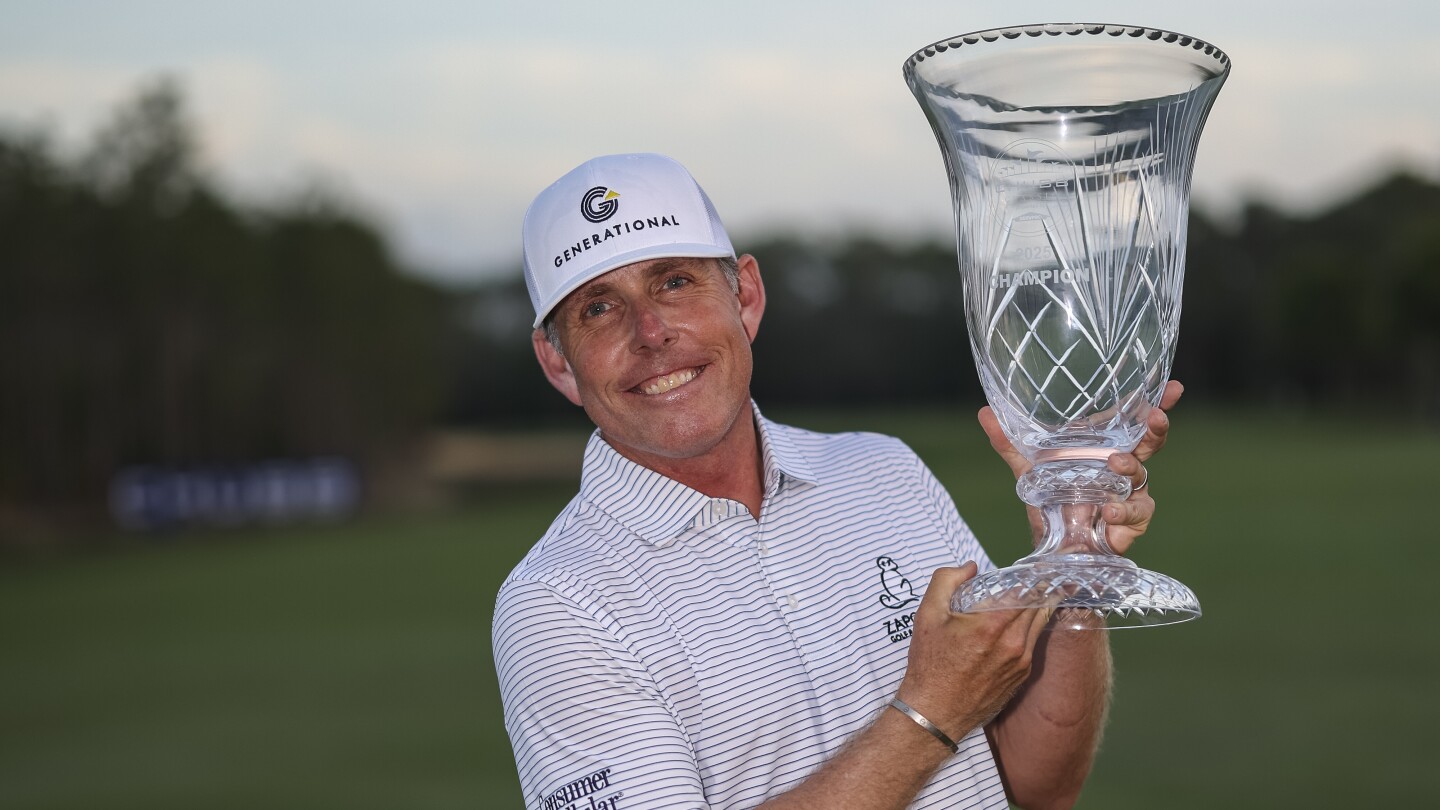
x=958 y=532
x=589 y=727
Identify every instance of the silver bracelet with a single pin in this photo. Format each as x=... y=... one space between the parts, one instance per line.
x=924 y=722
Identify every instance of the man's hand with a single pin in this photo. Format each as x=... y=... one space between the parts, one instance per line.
x=1126 y=520
x=964 y=667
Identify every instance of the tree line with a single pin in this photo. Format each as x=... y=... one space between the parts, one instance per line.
x=1336 y=310
x=147 y=318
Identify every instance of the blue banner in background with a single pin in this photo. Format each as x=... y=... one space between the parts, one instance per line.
x=151 y=498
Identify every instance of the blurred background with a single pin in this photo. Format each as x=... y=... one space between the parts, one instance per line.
x=271 y=434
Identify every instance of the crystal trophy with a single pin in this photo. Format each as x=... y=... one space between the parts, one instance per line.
x=1069 y=149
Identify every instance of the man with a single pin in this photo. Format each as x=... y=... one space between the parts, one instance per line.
x=724 y=613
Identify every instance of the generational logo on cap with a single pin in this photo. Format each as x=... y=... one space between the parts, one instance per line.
x=599 y=204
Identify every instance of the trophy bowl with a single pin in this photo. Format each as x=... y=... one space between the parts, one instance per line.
x=1069 y=149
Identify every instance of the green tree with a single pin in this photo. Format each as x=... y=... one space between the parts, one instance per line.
x=145 y=318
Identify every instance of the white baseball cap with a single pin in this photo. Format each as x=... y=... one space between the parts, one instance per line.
x=612 y=211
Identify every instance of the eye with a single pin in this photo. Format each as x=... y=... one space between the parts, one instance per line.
x=594 y=309
x=676 y=282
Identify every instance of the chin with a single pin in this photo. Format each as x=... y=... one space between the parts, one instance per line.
x=682 y=437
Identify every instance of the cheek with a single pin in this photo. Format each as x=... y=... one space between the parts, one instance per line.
x=593 y=370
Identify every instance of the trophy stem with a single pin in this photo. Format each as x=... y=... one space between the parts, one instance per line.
x=1074 y=571
x=1070 y=495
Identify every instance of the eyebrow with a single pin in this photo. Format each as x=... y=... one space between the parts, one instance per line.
x=667 y=265
x=594 y=289
x=600 y=287
x=700 y=265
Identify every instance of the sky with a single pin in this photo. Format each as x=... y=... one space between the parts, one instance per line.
x=442 y=120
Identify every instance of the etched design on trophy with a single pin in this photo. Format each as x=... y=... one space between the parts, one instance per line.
x=1069 y=149
x=1029 y=163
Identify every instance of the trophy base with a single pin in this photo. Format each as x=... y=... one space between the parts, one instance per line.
x=1087 y=592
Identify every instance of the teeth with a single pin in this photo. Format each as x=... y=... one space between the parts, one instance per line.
x=660 y=385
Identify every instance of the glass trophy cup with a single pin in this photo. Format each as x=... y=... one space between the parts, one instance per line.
x=1069 y=149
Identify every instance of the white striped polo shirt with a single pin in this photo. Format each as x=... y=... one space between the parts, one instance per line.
x=658 y=648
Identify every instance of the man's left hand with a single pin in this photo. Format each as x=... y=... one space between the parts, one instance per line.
x=1128 y=519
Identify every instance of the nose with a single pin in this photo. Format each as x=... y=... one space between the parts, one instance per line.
x=652 y=328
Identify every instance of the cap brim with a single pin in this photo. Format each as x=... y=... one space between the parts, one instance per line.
x=674 y=250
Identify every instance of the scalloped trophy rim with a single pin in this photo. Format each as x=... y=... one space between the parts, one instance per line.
x=1056 y=29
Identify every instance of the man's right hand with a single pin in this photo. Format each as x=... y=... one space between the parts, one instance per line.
x=964 y=667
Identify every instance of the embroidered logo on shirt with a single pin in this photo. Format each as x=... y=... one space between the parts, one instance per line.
x=568 y=797
x=898 y=590
x=900 y=627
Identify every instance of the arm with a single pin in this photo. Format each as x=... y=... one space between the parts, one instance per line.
x=581 y=712
x=962 y=669
x=1046 y=738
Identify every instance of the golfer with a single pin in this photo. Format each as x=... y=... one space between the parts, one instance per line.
x=734 y=613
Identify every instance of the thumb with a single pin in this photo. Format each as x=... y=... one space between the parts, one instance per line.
x=1012 y=457
x=944 y=582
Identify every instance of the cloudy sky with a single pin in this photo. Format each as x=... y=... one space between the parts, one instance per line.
x=445 y=118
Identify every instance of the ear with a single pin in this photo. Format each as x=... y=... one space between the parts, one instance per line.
x=556 y=367
x=752 y=295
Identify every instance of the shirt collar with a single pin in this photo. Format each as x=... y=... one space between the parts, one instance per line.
x=658 y=509
x=784 y=462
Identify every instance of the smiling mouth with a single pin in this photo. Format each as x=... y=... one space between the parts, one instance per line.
x=668 y=382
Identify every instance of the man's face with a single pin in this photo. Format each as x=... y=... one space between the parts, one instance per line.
x=658 y=354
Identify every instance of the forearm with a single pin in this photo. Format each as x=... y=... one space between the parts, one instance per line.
x=1046 y=738
x=884 y=766
x=962 y=670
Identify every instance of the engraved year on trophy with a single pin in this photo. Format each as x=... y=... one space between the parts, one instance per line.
x=1069 y=149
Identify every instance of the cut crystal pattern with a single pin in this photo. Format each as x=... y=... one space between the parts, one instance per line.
x=1122 y=595
x=1069 y=149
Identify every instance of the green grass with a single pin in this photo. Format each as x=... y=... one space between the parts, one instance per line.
x=349 y=666
x=331 y=667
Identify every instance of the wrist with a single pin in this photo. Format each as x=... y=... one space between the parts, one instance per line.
x=925 y=724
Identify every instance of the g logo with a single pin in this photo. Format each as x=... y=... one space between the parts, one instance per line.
x=599 y=204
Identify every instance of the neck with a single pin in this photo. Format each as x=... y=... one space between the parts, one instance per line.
x=733 y=469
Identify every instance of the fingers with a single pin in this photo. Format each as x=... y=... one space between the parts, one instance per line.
x=1134 y=513
x=948 y=579
x=990 y=423
x=1127 y=520
x=944 y=582
x=1157 y=430
x=1039 y=619
x=1157 y=426
x=1171 y=395
x=1128 y=465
